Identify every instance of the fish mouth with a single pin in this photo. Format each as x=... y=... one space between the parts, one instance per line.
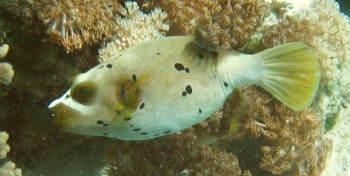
x=54 y=103
x=63 y=116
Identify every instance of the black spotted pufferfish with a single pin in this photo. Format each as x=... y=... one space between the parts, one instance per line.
x=163 y=86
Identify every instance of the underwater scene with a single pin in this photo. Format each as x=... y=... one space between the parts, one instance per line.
x=174 y=87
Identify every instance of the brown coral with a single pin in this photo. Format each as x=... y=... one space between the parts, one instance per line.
x=171 y=155
x=229 y=23
x=295 y=142
x=76 y=23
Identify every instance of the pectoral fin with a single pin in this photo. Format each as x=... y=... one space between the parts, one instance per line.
x=128 y=96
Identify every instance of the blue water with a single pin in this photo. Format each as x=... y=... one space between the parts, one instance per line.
x=344 y=6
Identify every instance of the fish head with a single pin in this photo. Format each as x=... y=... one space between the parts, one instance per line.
x=86 y=108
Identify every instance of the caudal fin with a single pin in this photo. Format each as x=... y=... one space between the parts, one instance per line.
x=292 y=74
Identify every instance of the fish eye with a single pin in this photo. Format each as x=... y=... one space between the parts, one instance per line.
x=83 y=92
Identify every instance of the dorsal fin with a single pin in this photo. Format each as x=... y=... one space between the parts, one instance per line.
x=203 y=38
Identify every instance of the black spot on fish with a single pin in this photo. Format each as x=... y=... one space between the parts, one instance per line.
x=101 y=66
x=200 y=55
x=144 y=133
x=100 y=122
x=184 y=93
x=158 y=53
x=117 y=111
x=156 y=134
x=200 y=111
x=127 y=118
x=109 y=66
x=214 y=54
x=188 y=89
x=187 y=70
x=131 y=125
x=142 y=106
x=134 y=77
x=120 y=55
x=105 y=134
x=179 y=67
x=166 y=132
x=225 y=84
x=136 y=129
x=105 y=124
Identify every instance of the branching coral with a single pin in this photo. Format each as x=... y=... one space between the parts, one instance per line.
x=134 y=27
x=8 y=168
x=171 y=155
x=229 y=23
x=78 y=22
x=295 y=140
x=299 y=148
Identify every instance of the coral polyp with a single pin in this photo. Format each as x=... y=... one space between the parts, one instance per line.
x=76 y=23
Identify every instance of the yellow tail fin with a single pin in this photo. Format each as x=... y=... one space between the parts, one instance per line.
x=292 y=74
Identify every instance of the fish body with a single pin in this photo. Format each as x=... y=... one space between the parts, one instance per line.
x=163 y=86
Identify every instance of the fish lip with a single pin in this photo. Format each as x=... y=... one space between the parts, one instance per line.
x=54 y=103
x=59 y=99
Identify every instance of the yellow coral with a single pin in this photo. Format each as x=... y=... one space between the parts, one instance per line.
x=3 y=50
x=8 y=168
x=6 y=73
x=6 y=70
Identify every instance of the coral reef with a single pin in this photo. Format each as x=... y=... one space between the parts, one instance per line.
x=293 y=143
x=18 y=8
x=133 y=27
x=228 y=23
x=6 y=70
x=76 y=23
x=3 y=50
x=176 y=154
x=6 y=73
x=4 y=148
x=8 y=168
x=323 y=27
x=295 y=140
x=338 y=163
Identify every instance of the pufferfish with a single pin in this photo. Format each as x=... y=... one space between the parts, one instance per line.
x=163 y=86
